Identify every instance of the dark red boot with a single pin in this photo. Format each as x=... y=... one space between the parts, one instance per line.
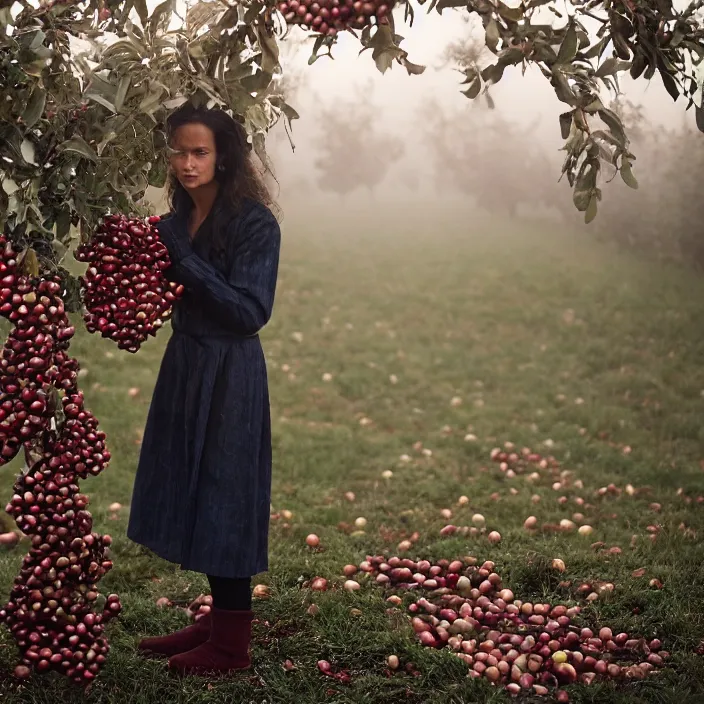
x=226 y=650
x=180 y=642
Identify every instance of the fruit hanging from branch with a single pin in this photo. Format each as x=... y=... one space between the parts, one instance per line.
x=125 y=293
x=82 y=134
x=51 y=612
x=33 y=357
x=328 y=17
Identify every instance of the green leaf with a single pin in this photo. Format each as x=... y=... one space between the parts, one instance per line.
x=470 y=73
x=474 y=88
x=670 y=84
x=613 y=122
x=100 y=91
x=585 y=184
x=28 y=152
x=285 y=108
x=34 y=68
x=121 y=93
x=123 y=47
x=152 y=100
x=597 y=50
x=606 y=137
x=699 y=116
x=512 y=14
x=493 y=73
x=591 y=210
x=444 y=4
x=511 y=56
x=569 y=46
x=270 y=50
x=203 y=14
x=63 y=225
x=384 y=49
x=142 y=11
x=28 y=263
x=35 y=107
x=77 y=145
x=594 y=106
x=32 y=39
x=627 y=175
x=161 y=18
x=4 y=203
x=107 y=138
x=566 y=124
x=256 y=82
x=640 y=62
x=413 y=69
x=611 y=66
x=97 y=98
x=562 y=88
x=580 y=198
x=622 y=49
x=493 y=35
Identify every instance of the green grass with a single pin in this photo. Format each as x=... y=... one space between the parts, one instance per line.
x=471 y=311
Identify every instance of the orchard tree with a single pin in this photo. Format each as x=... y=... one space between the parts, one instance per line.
x=639 y=37
x=479 y=153
x=84 y=93
x=85 y=89
x=664 y=219
x=356 y=152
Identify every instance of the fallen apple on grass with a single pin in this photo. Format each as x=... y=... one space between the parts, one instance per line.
x=524 y=646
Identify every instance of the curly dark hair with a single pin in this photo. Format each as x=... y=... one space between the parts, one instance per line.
x=238 y=175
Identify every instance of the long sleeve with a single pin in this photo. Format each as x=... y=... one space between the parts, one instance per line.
x=243 y=300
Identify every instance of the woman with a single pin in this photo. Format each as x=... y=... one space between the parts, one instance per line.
x=201 y=496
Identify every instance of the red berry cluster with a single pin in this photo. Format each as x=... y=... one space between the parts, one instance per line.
x=50 y=612
x=33 y=360
x=126 y=294
x=328 y=17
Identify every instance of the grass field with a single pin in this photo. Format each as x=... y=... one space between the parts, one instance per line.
x=549 y=340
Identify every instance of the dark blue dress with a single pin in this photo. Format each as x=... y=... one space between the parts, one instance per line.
x=202 y=491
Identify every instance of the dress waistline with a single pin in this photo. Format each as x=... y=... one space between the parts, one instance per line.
x=234 y=337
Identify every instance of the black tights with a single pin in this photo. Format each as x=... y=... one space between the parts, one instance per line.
x=231 y=594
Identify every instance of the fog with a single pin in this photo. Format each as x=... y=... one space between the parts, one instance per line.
x=401 y=104
x=396 y=153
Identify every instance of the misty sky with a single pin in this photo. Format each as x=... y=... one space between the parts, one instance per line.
x=523 y=97
x=399 y=96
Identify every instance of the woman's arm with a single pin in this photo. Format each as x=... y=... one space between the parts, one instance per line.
x=245 y=299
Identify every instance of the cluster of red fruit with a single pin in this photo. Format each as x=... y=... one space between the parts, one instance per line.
x=50 y=610
x=328 y=17
x=510 y=459
x=527 y=647
x=126 y=295
x=33 y=360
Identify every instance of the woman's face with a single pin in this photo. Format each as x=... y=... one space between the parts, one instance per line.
x=193 y=156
